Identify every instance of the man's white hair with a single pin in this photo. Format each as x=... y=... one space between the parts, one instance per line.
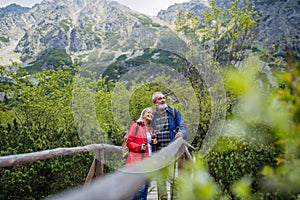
x=154 y=96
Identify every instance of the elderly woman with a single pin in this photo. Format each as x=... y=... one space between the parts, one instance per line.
x=139 y=139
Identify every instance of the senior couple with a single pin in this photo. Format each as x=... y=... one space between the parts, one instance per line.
x=143 y=140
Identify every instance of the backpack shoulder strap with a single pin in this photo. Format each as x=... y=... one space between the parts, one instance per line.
x=173 y=113
x=137 y=128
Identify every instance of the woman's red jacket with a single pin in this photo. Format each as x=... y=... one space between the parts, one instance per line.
x=135 y=141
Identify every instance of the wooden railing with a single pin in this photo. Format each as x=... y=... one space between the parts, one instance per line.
x=120 y=184
x=11 y=160
x=124 y=182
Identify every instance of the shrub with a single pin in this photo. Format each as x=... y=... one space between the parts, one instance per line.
x=233 y=158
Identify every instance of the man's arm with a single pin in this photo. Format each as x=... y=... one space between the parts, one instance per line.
x=182 y=126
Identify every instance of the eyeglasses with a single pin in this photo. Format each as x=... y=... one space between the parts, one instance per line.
x=160 y=98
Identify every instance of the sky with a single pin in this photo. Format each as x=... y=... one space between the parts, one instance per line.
x=149 y=7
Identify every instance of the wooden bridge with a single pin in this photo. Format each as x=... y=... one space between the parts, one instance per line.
x=99 y=186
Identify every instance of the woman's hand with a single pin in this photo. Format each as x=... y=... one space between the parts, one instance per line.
x=154 y=139
x=143 y=147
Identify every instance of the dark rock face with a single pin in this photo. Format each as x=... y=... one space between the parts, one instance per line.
x=278 y=21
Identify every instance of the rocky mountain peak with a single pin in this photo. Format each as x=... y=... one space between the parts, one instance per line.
x=86 y=29
x=13 y=8
x=170 y=15
x=79 y=26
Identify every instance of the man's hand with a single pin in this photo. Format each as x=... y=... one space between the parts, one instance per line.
x=178 y=134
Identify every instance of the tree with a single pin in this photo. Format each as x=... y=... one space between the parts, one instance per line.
x=223 y=33
x=223 y=38
x=39 y=117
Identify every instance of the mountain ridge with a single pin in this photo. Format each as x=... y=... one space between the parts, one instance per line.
x=78 y=26
x=97 y=28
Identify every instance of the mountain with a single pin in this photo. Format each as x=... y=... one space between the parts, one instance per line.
x=278 y=21
x=94 y=30
x=170 y=15
x=279 y=24
x=12 y=9
x=11 y=30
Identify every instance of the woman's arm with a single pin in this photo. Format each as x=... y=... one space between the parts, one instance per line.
x=132 y=140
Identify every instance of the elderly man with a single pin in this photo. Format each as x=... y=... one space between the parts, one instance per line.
x=169 y=125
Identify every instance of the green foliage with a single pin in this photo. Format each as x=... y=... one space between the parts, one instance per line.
x=257 y=154
x=40 y=179
x=39 y=117
x=65 y=24
x=156 y=25
x=233 y=159
x=54 y=59
x=88 y=25
x=144 y=95
x=4 y=39
x=224 y=33
x=145 y=20
x=104 y=112
x=196 y=183
x=122 y=64
x=283 y=179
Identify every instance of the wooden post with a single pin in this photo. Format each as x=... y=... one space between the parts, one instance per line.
x=91 y=173
x=99 y=162
x=181 y=158
x=188 y=155
x=97 y=167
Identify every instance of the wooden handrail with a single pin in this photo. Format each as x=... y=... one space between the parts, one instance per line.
x=112 y=185
x=125 y=181
x=11 y=160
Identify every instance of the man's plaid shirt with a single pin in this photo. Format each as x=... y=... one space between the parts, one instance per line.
x=162 y=129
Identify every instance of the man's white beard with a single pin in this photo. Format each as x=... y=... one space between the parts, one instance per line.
x=161 y=106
